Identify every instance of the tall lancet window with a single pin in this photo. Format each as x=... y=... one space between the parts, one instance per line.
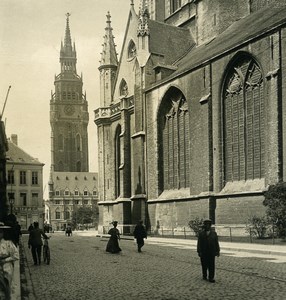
x=117 y=161
x=132 y=50
x=244 y=121
x=61 y=142
x=78 y=143
x=123 y=88
x=174 y=141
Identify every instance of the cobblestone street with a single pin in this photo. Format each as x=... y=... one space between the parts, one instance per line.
x=81 y=269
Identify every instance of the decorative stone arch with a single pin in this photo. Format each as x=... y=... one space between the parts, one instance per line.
x=173 y=141
x=243 y=120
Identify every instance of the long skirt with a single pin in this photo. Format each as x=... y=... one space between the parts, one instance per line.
x=112 y=245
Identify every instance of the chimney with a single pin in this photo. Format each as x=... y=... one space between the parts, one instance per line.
x=14 y=139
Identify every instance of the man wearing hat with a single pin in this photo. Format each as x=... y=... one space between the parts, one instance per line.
x=8 y=254
x=208 y=248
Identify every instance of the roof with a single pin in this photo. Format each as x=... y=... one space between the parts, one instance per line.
x=74 y=181
x=171 y=41
x=17 y=155
x=239 y=32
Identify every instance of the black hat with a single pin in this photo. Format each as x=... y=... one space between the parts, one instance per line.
x=207 y=221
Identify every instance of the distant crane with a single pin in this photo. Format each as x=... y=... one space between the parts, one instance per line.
x=5 y=102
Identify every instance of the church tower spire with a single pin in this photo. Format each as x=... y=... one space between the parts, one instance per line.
x=69 y=114
x=108 y=65
x=68 y=52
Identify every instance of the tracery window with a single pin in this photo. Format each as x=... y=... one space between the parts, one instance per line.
x=174 y=141
x=243 y=121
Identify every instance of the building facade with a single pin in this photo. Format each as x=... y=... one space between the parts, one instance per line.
x=3 y=180
x=191 y=121
x=71 y=184
x=24 y=185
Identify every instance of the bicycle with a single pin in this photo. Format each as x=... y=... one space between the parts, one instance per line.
x=46 y=251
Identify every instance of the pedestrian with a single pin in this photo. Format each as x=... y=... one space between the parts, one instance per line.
x=18 y=232
x=8 y=254
x=208 y=248
x=113 y=245
x=140 y=234
x=31 y=227
x=35 y=241
x=68 y=231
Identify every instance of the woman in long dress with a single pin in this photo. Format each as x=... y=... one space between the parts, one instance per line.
x=8 y=255
x=113 y=245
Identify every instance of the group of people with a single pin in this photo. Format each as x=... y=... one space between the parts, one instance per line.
x=35 y=242
x=140 y=234
x=207 y=245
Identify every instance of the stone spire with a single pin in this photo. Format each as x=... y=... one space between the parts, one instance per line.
x=68 y=43
x=68 y=52
x=108 y=55
x=143 y=27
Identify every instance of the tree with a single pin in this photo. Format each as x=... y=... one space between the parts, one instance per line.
x=83 y=215
x=196 y=225
x=275 y=201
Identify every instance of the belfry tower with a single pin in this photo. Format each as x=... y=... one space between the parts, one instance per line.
x=68 y=114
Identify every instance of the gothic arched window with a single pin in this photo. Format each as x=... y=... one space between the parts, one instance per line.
x=78 y=142
x=131 y=50
x=243 y=121
x=117 y=161
x=174 y=141
x=123 y=88
x=61 y=142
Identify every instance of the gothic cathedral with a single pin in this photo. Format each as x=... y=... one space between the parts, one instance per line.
x=191 y=119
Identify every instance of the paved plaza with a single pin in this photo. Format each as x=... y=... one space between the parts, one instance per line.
x=81 y=269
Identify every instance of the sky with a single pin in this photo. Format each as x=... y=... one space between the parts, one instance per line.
x=31 y=32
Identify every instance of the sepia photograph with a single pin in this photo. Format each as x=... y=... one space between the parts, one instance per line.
x=142 y=149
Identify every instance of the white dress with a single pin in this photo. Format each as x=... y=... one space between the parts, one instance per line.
x=8 y=254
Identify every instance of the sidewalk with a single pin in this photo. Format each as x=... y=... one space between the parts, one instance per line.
x=227 y=246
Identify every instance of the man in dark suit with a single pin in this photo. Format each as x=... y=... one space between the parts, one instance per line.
x=35 y=241
x=208 y=248
x=140 y=234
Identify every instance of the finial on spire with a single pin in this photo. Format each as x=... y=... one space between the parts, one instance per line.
x=67 y=34
x=132 y=2
x=108 y=17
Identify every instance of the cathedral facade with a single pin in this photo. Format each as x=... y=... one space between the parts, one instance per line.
x=71 y=185
x=192 y=121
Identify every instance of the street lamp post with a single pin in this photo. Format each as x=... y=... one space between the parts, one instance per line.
x=11 y=201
